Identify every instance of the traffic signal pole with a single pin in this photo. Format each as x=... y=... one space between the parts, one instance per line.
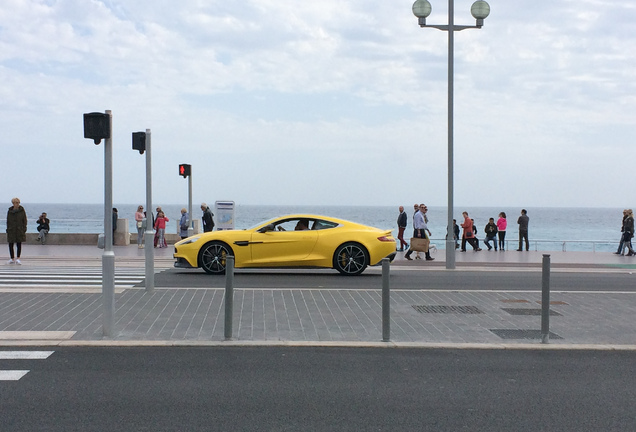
x=191 y=221
x=108 y=258
x=149 y=237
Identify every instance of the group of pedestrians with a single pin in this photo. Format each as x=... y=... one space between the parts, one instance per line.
x=159 y=221
x=495 y=231
x=421 y=234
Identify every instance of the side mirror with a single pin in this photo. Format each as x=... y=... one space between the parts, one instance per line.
x=266 y=228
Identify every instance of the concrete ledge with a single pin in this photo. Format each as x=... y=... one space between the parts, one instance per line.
x=56 y=239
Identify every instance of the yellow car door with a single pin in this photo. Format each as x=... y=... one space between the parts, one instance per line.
x=282 y=247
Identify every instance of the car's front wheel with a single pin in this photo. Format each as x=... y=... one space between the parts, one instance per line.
x=213 y=257
x=350 y=259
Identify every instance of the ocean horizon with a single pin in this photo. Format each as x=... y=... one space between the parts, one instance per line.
x=581 y=228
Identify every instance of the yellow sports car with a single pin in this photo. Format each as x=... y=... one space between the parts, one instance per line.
x=289 y=241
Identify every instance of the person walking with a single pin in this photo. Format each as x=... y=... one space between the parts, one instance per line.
x=628 y=233
x=160 y=226
x=208 y=218
x=523 y=230
x=44 y=225
x=402 y=221
x=468 y=235
x=621 y=244
x=16 y=230
x=491 y=233
x=139 y=222
x=419 y=231
x=502 y=224
x=184 y=223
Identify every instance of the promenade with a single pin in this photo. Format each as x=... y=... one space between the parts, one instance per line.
x=70 y=313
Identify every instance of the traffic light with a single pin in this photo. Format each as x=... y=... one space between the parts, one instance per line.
x=139 y=141
x=97 y=126
x=185 y=170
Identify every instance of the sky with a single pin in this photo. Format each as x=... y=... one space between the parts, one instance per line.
x=329 y=102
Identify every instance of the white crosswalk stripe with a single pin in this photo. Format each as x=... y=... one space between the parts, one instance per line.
x=65 y=277
x=15 y=375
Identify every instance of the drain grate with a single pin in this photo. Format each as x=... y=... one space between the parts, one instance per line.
x=514 y=301
x=447 y=309
x=557 y=303
x=526 y=311
x=522 y=334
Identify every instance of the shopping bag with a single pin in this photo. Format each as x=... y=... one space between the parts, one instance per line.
x=419 y=244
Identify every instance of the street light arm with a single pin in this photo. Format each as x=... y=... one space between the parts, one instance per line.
x=446 y=27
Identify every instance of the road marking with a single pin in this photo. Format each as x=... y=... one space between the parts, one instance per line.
x=65 y=279
x=25 y=355
x=12 y=375
x=15 y=375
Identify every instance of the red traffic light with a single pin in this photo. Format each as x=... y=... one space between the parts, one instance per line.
x=185 y=170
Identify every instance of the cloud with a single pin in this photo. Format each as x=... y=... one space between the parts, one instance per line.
x=320 y=102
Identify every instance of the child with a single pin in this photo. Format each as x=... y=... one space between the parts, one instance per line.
x=160 y=226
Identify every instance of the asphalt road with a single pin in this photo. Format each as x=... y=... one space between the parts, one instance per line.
x=319 y=389
x=402 y=279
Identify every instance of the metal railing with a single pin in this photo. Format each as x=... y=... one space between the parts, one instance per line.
x=544 y=245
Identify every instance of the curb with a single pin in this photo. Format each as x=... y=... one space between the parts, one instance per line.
x=317 y=344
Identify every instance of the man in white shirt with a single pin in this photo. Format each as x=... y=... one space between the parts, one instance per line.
x=419 y=231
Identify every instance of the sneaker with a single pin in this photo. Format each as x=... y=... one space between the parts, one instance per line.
x=11 y=261
x=18 y=262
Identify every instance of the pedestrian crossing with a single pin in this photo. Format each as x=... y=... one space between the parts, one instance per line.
x=17 y=374
x=59 y=279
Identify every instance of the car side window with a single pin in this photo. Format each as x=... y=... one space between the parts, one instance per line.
x=293 y=225
x=320 y=224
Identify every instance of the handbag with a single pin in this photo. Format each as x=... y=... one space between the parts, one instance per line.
x=419 y=244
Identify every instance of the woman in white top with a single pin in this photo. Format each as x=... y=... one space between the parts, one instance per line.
x=139 y=220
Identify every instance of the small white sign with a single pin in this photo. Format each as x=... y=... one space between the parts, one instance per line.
x=224 y=215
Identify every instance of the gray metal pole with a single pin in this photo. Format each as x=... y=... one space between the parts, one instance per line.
x=545 y=300
x=191 y=224
x=108 y=257
x=229 y=295
x=149 y=238
x=450 y=242
x=386 y=301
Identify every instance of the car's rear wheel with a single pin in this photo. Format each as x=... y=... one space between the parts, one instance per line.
x=351 y=259
x=213 y=257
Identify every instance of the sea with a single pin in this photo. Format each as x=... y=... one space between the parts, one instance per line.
x=550 y=229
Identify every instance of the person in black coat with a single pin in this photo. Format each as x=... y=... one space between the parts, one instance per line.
x=207 y=218
x=43 y=228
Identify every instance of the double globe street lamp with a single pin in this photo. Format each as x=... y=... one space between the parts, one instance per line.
x=480 y=11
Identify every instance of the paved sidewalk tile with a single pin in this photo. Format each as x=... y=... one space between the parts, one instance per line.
x=327 y=315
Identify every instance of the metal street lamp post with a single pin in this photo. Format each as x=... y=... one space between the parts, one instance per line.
x=480 y=10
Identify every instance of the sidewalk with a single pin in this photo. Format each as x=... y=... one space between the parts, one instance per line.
x=349 y=317
x=484 y=258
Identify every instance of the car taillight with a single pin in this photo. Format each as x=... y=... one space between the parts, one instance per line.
x=386 y=239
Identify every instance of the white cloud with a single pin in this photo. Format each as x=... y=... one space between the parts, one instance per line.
x=320 y=102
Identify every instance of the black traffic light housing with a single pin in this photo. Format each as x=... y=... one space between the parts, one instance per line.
x=97 y=126
x=185 y=170
x=139 y=141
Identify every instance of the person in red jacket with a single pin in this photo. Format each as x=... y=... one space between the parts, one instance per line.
x=160 y=226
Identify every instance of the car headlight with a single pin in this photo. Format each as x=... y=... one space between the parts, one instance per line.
x=188 y=240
